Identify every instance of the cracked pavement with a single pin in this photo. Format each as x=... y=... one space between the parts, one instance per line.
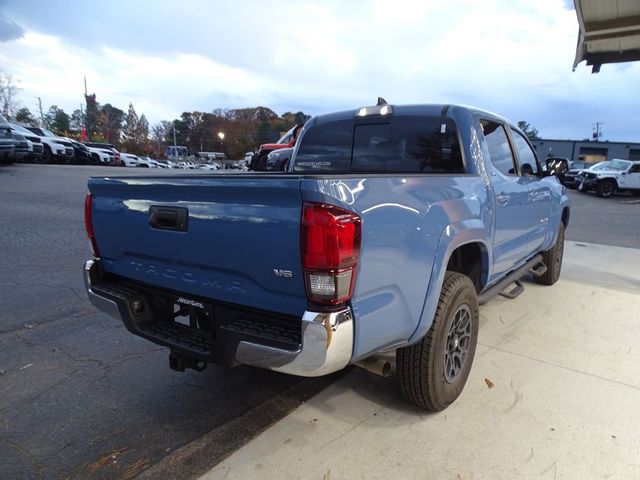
x=80 y=397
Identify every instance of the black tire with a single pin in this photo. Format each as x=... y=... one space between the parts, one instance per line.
x=552 y=258
x=47 y=156
x=606 y=188
x=430 y=377
x=259 y=161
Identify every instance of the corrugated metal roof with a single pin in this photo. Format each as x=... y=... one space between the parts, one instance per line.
x=609 y=32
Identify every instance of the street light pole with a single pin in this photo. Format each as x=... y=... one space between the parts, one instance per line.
x=221 y=137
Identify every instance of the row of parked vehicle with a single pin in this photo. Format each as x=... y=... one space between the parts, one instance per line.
x=605 y=178
x=22 y=143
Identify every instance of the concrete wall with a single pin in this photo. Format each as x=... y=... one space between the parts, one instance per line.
x=572 y=149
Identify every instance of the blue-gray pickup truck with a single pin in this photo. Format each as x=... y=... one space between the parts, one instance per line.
x=388 y=229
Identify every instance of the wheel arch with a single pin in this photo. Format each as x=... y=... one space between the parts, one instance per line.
x=609 y=179
x=467 y=238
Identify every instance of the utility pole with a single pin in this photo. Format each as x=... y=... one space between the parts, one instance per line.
x=41 y=114
x=597 y=133
x=175 y=145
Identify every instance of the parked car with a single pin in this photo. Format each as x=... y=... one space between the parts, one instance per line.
x=288 y=140
x=21 y=151
x=151 y=163
x=7 y=147
x=390 y=227
x=81 y=153
x=157 y=163
x=612 y=176
x=102 y=156
x=279 y=159
x=208 y=166
x=575 y=167
x=129 y=159
x=36 y=148
x=116 y=154
x=56 y=149
x=168 y=163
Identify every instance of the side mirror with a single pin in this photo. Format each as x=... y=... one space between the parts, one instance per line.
x=557 y=167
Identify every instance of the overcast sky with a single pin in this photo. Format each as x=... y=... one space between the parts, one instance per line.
x=513 y=57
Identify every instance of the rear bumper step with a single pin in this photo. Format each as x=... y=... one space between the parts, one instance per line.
x=317 y=344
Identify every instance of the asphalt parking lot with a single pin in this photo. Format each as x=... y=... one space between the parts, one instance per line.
x=80 y=397
x=83 y=398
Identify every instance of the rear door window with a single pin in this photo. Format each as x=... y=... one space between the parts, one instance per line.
x=498 y=145
x=526 y=158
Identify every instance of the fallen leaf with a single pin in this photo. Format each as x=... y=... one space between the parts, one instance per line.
x=489 y=383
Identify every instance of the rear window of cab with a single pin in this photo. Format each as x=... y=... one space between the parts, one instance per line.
x=403 y=144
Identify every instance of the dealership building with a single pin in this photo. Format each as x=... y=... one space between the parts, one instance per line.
x=591 y=151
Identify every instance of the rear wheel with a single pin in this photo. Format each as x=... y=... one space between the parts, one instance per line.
x=433 y=372
x=606 y=188
x=552 y=258
x=47 y=156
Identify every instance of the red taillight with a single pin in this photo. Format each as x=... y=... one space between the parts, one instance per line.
x=88 y=223
x=330 y=252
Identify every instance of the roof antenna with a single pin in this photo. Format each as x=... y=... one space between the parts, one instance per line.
x=381 y=101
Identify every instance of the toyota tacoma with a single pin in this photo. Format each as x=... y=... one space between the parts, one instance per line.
x=389 y=228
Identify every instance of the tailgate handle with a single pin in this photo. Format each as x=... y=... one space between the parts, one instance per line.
x=169 y=218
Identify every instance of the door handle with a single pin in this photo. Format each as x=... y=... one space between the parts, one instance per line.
x=503 y=198
x=169 y=218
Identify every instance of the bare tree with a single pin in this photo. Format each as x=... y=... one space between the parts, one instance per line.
x=8 y=92
x=158 y=133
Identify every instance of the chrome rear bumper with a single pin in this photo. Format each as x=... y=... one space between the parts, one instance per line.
x=327 y=345
x=326 y=337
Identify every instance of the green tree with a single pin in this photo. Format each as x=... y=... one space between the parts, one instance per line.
x=528 y=130
x=77 y=121
x=92 y=117
x=25 y=117
x=57 y=120
x=110 y=123
x=135 y=132
x=143 y=128
x=130 y=129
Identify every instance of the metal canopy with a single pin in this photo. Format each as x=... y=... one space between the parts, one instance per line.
x=609 y=32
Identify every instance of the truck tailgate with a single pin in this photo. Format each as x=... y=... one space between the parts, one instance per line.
x=239 y=241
